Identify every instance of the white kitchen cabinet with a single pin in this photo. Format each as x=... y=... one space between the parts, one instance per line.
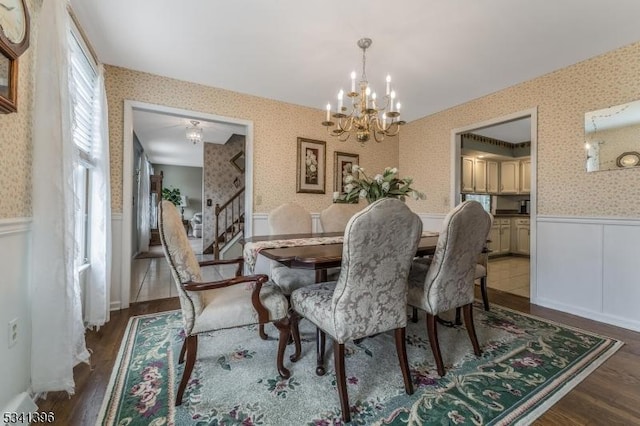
x=500 y=236
x=480 y=176
x=493 y=184
x=525 y=176
x=509 y=174
x=467 y=174
x=522 y=228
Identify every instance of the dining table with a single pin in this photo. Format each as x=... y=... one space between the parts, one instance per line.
x=315 y=251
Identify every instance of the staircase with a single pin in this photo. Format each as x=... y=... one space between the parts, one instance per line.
x=229 y=222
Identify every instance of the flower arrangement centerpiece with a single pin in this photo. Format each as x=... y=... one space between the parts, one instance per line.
x=388 y=184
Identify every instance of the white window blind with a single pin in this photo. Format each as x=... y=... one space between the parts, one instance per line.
x=83 y=78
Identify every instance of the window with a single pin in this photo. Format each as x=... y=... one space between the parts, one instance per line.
x=82 y=87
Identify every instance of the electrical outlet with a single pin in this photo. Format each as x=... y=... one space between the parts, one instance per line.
x=13 y=332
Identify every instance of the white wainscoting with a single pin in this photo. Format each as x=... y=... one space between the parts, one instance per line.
x=15 y=368
x=432 y=222
x=589 y=267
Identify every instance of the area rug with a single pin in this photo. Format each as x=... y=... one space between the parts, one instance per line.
x=527 y=364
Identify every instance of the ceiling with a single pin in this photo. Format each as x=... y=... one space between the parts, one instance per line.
x=439 y=53
x=163 y=137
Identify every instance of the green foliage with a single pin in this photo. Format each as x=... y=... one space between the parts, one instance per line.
x=171 y=194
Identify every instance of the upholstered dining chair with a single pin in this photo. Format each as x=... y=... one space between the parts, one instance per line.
x=217 y=305
x=288 y=219
x=447 y=282
x=371 y=292
x=335 y=217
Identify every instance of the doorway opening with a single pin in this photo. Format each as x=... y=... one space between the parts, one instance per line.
x=157 y=150
x=494 y=162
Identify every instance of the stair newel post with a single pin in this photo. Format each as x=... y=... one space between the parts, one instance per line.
x=216 y=244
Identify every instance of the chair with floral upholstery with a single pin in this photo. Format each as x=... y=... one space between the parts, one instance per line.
x=371 y=292
x=335 y=217
x=217 y=305
x=447 y=282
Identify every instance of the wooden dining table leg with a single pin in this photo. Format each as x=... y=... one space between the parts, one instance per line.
x=320 y=346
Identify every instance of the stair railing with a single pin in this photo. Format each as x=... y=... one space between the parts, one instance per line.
x=229 y=222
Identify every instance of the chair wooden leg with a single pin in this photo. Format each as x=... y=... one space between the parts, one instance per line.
x=320 y=345
x=182 y=351
x=295 y=332
x=483 y=289
x=432 y=331
x=414 y=314
x=338 y=355
x=192 y=348
x=458 y=320
x=401 y=349
x=468 y=323
x=284 y=329
x=261 y=332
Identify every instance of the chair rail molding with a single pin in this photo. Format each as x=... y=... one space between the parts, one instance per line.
x=15 y=225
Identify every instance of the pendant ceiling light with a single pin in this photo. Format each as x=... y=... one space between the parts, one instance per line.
x=194 y=133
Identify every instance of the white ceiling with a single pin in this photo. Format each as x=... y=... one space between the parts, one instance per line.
x=516 y=131
x=163 y=137
x=439 y=53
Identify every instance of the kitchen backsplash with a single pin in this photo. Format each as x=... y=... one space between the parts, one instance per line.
x=509 y=202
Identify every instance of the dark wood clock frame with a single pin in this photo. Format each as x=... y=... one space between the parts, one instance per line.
x=9 y=53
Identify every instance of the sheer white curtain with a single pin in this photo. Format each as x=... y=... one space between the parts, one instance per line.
x=97 y=290
x=56 y=313
x=144 y=203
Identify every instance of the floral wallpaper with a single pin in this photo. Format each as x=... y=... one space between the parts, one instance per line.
x=561 y=97
x=277 y=125
x=15 y=134
x=219 y=176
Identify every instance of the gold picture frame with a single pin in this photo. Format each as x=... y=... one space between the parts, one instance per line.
x=342 y=164
x=311 y=164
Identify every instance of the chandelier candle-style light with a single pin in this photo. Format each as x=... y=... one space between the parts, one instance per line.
x=369 y=115
x=194 y=133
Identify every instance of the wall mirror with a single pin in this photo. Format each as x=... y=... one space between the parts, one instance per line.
x=612 y=137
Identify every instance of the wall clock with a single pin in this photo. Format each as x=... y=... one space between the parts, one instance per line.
x=14 y=40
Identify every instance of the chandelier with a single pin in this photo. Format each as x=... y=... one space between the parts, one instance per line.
x=369 y=116
x=194 y=133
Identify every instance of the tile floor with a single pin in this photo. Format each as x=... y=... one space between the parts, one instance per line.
x=151 y=277
x=509 y=274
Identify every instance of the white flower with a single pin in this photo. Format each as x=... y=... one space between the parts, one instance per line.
x=387 y=169
x=394 y=170
x=378 y=178
x=348 y=188
x=348 y=179
x=414 y=195
x=312 y=168
x=363 y=193
x=308 y=161
x=385 y=186
x=355 y=168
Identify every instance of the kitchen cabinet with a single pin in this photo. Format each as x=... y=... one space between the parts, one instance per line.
x=467 y=174
x=525 y=176
x=509 y=174
x=480 y=175
x=500 y=236
x=522 y=227
x=493 y=184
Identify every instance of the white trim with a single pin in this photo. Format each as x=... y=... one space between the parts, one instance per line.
x=116 y=216
x=590 y=314
x=454 y=194
x=590 y=220
x=127 y=184
x=15 y=225
x=115 y=305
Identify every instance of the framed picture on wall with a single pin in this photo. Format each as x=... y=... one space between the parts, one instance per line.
x=311 y=166
x=342 y=164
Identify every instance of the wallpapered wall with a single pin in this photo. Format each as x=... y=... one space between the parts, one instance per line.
x=15 y=135
x=219 y=175
x=276 y=127
x=562 y=98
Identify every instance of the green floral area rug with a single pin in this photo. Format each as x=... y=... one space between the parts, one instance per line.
x=527 y=364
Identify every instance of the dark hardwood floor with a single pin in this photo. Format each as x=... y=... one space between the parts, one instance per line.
x=608 y=396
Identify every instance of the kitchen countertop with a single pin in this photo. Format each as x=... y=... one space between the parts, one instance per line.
x=508 y=213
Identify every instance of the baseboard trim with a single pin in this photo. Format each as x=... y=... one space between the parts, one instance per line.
x=115 y=305
x=585 y=313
